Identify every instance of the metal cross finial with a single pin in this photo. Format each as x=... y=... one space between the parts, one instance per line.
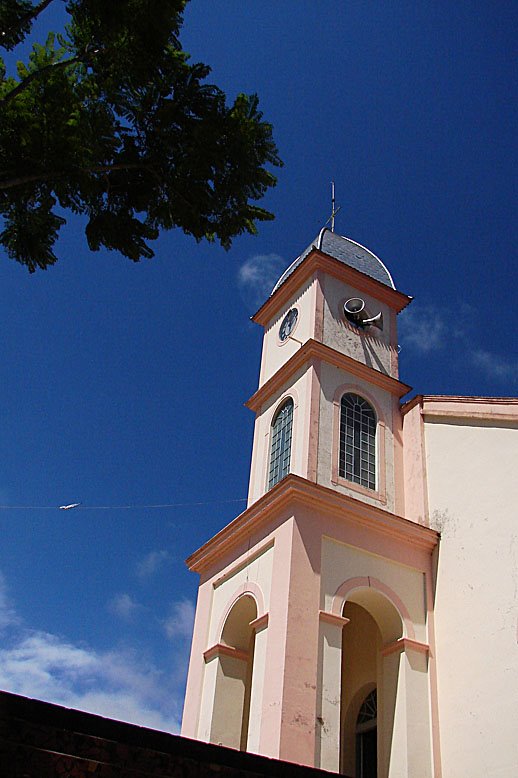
x=334 y=210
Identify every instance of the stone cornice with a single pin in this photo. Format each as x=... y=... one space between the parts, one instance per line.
x=294 y=490
x=312 y=350
x=317 y=260
x=502 y=409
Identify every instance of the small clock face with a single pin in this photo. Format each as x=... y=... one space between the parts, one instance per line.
x=288 y=323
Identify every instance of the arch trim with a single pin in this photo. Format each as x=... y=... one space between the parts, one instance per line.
x=353 y=388
x=250 y=589
x=288 y=394
x=367 y=582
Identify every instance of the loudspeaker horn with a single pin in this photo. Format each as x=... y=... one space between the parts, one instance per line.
x=354 y=306
x=375 y=321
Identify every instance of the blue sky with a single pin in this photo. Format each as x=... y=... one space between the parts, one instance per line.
x=123 y=384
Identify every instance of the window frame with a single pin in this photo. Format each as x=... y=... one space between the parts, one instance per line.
x=379 y=493
x=287 y=400
x=358 y=461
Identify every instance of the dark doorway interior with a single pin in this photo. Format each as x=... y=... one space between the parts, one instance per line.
x=367 y=738
x=367 y=754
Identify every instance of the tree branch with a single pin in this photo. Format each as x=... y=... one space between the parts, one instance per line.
x=12 y=183
x=57 y=174
x=38 y=9
x=33 y=13
x=35 y=74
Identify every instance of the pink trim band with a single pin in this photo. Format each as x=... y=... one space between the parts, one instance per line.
x=294 y=490
x=260 y=623
x=220 y=649
x=332 y=618
x=405 y=644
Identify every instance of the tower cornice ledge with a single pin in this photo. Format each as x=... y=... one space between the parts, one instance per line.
x=498 y=409
x=294 y=490
x=318 y=260
x=313 y=350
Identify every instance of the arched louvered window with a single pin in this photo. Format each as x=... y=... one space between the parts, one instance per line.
x=357 y=441
x=368 y=711
x=280 y=447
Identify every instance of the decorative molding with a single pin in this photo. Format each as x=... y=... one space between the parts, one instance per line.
x=469 y=414
x=318 y=331
x=246 y=589
x=313 y=350
x=333 y=618
x=368 y=582
x=293 y=490
x=241 y=564
x=409 y=404
x=313 y=428
x=318 y=260
x=405 y=644
x=220 y=649
x=260 y=623
x=479 y=399
x=496 y=408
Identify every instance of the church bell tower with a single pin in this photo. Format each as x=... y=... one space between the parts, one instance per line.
x=313 y=639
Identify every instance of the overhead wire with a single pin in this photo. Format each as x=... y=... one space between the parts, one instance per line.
x=80 y=507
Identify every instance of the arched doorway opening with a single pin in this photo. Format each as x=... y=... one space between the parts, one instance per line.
x=234 y=676
x=368 y=683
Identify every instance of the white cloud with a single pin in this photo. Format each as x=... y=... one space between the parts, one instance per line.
x=120 y=684
x=7 y=613
x=180 y=620
x=124 y=606
x=114 y=684
x=426 y=329
x=422 y=329
x=495 y=366
x=152 y=562
x=258 y=275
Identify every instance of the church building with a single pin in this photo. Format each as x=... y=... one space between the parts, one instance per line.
x=360 y=615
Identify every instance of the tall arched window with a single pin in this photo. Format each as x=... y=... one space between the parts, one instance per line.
x=357 y=441
x=280 y=448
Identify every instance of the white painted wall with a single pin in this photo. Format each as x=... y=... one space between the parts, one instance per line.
x=299 y=389
x=473 y=499
x=276 y=353
x=257 y=571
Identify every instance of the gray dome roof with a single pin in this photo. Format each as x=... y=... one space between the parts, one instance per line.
x=347 y=251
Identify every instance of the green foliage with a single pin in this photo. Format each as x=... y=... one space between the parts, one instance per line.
x=111 y=120
x=15 y=22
